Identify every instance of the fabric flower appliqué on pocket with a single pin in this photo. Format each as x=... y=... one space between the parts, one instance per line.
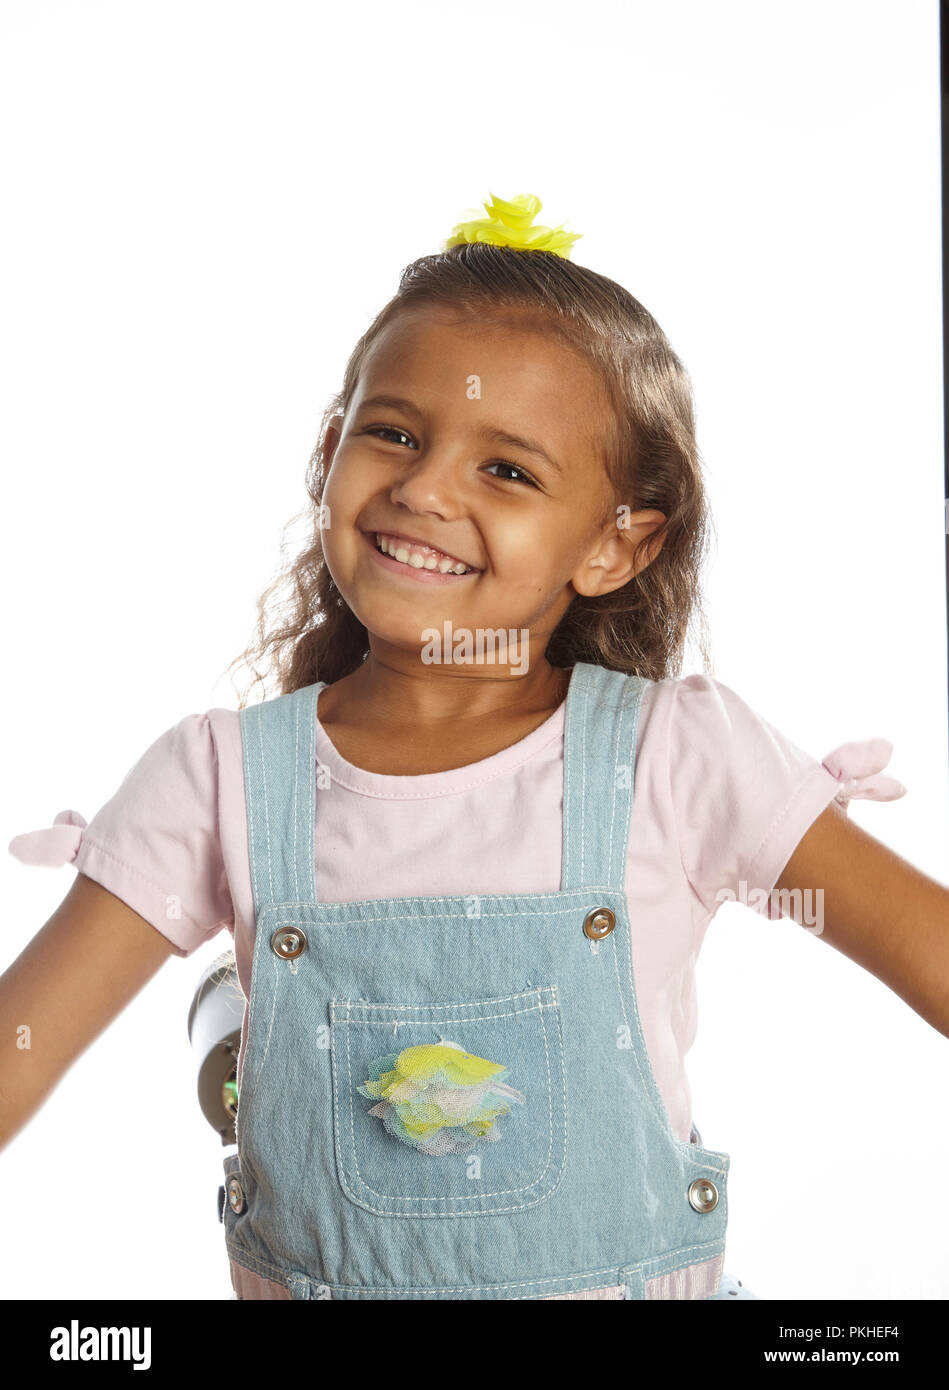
x=438 y=1097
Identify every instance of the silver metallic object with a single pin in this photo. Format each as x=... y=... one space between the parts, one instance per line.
x=214 y=1029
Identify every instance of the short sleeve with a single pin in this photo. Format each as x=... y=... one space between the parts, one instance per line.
x=156 y=843
x=743 y=794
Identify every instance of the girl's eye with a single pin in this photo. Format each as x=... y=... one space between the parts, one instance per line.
x=498 y=463
x=387 y=429
x=515 y=468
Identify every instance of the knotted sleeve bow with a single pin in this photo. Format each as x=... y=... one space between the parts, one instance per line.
x=858 y=768
x=57 y=844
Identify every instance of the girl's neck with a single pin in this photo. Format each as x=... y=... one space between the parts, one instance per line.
x=388 y=725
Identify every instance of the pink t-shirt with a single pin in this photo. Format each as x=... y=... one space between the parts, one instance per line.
x=721 y=799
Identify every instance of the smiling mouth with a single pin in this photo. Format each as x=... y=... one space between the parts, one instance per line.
x=421 y=557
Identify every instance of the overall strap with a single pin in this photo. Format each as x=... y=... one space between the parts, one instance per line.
x=601 y=724
x=279 y=743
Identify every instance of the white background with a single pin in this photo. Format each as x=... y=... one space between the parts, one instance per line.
x=205 y=205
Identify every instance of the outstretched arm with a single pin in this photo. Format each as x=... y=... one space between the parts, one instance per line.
x=67 y=985
x=877 y=909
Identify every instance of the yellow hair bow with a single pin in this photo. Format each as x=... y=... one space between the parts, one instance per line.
x=508 y=224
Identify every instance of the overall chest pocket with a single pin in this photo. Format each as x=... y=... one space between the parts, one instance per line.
x=454 y=1109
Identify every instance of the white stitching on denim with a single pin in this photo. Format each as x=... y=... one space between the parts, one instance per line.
x=420 y=1022
x=619 y=723
x=566 y=866
x=600 y=1288
x=584 y=703
x=655 y=1266
x=246 y=732
x=247 y=1258
x=250 y=1083
x=628 y=725
x=262 y=771
x=295 y=792
x=310 y=802
x=292 y=909
x=354 y=1004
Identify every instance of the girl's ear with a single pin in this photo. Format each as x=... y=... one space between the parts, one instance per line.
x=626 y=547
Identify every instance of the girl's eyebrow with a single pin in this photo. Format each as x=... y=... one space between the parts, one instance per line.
x=516 y=441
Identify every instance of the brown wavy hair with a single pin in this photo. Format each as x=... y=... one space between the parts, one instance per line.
x=305 y=630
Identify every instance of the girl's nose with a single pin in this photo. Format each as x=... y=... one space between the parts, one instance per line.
x=428 y=484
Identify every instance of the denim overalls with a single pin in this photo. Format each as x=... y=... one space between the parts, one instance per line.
x=451 y=1097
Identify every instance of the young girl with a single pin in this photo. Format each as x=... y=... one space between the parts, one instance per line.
x=469 y=851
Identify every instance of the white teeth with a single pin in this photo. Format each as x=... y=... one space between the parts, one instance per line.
x=416 y=559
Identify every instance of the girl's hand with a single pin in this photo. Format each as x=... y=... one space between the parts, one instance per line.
x=877 y=909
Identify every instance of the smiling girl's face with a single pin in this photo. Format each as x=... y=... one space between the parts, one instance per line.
x=533 y=522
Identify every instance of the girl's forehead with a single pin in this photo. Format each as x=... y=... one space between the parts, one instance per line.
x=520 y=357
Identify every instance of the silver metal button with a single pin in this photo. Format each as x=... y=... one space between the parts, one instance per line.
x=599 y=923
x=288 y=942
x=703 y=1194
x=235 y=1195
